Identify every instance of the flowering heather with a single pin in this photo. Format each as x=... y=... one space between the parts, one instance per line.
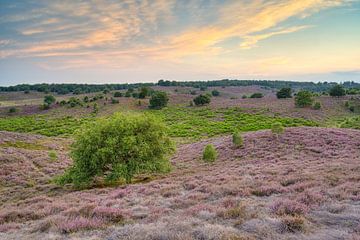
x=303 y=185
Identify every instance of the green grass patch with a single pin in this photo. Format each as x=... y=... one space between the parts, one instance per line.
x=24 y=145
x=352 y=122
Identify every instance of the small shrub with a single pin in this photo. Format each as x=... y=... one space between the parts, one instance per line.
x=337 y=91
x=12 y=110
x=317 y=106
x=203 y=88
x=202 y=100
x=277 y=128
x=352 y=108
x=52 y=155
x=26 y=92
x=303 y=99
x=95 y=108
x=293 y=223
x=244 y=97
x=256 y=95
x=114 y=101
x=86 y=99
x=158 y=100
x=209 y=154
x=215 y=93
x=191 y=103
x=237 y=139
x=193 y=92
x=49 y=99
x=118 y=94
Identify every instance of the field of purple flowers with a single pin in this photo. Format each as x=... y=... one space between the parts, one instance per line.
x=304 y=184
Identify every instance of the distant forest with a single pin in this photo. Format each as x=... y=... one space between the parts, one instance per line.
x=89 y=88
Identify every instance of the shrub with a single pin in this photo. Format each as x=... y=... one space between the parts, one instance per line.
x=317 y=106
x=135 y=95
x=118 y=148
x=128 y=94
x=49 y=99
x=256 y=95
x=244 y=97
x=209 y=154
x=144 y=91
x=277 y=128
x=193 y=92
x=352 y=108
x=303 y=99
x=118 y=94
x=26 y=91
x=86 y=99
x=237 y=139
x=158 y=100
x=203 y=88
x=202 y=100
x=284 y=93
x=52 y=155
x=114 y=101
x=12 y=110
x=95 y=108
x=293 y=223
x=215 y=93
x=337 y=91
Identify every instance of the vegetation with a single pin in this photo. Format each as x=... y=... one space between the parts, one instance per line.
x=237 y=139
x=303 y=99
x=202 y=100
x=12 y=110
x=337 y=91
x=215 y=93
x=277 y=128
x=256 y=95
x=284 y=93
x=158 y=100
x=118 y=148
x=209 y=154
x=48 y=100
x=118 y=94
x=317 y=105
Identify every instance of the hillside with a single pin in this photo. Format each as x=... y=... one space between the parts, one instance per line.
x=303 y=185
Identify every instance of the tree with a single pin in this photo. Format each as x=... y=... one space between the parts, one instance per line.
x=49 y=99
x=118 y=148
x=284 y=93
x=158 y=100
x=257 y=95
x=209 y=154
x=215 y=93
x=303 y=99
x=202 y=100
x=117 y=94
x=144 y=91
x=337 y=91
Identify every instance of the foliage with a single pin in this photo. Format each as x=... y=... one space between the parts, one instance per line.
x=118 y=94
x=202 y=99
x=158 y=100
x=303 y=99
x=73 y=102
x=144 y=91
x=237 y=139
x=256 y=95
x=353 y=122
x=284 y=93
x=277 y=128
x=118 y=148
x=317 y=105
x=95 y=108
x=337 y=91
x=244 y=97
x=12 y=110
x=215 y=93
x=209 y=154
x=114 y=101
x=49 y=99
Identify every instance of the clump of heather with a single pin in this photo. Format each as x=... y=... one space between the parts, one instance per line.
x=288 y=207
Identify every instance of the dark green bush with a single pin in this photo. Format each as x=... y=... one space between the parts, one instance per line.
x=158 y=100
x=317 y=105
x=303 y=99
x=256 y=95
x=215 y=93
x=209 y=154
x=117 y=149
x=117 y=94
x=284 y=93
x=49 y=99
x=12 y=110
x=337 y=91
x=202 y=99
x=114 y=101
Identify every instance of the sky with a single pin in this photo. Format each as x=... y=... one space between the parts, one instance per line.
x=125 y=41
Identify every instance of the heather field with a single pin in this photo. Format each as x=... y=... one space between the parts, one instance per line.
x=303 y=183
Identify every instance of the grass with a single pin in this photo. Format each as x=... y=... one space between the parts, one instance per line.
x=191 y=123
x=24 y=145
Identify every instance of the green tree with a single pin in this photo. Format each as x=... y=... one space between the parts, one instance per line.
x=202 y=99
x=284 y=93
x=49 y=99
x=209 y=154
x=215 y=93
x=118 y=148
x=303 y=99
x=158 y=100
x=144 y=91
x=118 y=94
x=337 y=91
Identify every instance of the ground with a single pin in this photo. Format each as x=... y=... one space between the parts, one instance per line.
x=303 y=184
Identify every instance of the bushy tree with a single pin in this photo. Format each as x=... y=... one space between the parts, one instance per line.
x=158 y=100
x=202 y=99
x=49 y=99
x=256 y=95
x=337 y=91
x=237 y=139
x=209 y=154
x=118 y=148
x=284 y=93
x=303 y=99
x=144 y=91
x=215 y=93
x=118 y=94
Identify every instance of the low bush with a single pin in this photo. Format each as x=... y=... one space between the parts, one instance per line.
x=202 y=100
x=209 y=154
x=277 y=128
x=118 y=94
x=215 y=93
x=12 y=110
x=158 y=100
x=118 y=148
x=256 y=95
x=284 y=93
x=317 y=106
x=303 y=99
x=237 y=139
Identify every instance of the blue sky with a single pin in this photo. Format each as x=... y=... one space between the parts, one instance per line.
x=108 y=41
